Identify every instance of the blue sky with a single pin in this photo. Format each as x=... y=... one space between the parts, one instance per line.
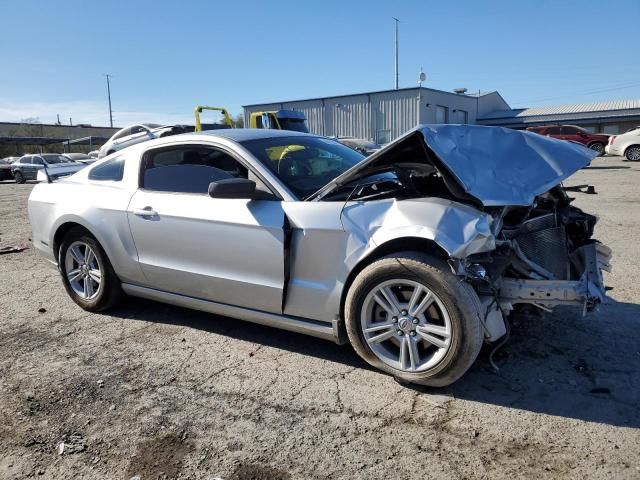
x=168 y=56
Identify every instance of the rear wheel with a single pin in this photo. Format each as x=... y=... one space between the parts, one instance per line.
x=18 y=176
x=408 y=315
x=598 y=147
x=633 y=153
x=87 y=273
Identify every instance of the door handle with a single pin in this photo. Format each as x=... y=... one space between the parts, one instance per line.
x=145 y=212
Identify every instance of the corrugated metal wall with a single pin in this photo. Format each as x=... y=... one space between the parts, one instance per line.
x=381 y=116
x=348 y=117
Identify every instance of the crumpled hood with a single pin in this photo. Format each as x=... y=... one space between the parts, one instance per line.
x=498 y=166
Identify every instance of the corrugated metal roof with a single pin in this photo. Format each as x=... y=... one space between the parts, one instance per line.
x=471 y=94
x=614 y=106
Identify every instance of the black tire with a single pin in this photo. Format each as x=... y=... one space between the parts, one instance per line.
x=459 y=299
x=598 y=147
x=18 y=177
x=110 y=292
x=633 y=153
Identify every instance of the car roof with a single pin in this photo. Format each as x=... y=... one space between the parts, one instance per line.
x=243 y=134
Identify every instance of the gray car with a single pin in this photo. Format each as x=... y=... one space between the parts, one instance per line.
x=415 y=255
x=49 y=166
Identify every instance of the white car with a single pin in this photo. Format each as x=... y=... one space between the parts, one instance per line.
x=136 y=134
x=626 y=144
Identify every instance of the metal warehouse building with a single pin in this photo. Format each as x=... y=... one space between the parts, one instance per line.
x=611 y=117
x=385 y=115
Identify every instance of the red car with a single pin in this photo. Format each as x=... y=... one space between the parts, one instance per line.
x=595 y=141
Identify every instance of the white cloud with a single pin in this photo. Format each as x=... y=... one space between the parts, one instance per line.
x=95 y=113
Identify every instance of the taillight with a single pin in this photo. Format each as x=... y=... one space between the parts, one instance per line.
x=612 y=139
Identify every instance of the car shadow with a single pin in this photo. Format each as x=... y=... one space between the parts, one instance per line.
x=563 y=364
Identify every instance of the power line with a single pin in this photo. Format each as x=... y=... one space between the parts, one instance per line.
x=589 y=92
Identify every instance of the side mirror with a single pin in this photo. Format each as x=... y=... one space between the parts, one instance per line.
x=233 y=188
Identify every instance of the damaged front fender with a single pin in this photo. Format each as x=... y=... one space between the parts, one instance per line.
x=460 y=230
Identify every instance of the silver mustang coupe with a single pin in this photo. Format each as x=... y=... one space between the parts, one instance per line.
x=415 y=255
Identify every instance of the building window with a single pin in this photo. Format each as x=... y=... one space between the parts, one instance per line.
x=442 y=114
x=462 y=117
x=610 y=129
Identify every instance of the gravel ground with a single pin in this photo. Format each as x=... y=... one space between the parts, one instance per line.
x=163 y=392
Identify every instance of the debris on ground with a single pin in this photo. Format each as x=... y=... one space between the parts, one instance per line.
x=73 y=444
x=588 y=189
x=12 y=249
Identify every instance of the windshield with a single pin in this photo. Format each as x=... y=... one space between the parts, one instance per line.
x=293 y=124
x=304 y=164
x=78 y=156
x=51 y=159
x=151 y=125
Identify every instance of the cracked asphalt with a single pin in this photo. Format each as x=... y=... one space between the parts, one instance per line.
x=156 y=391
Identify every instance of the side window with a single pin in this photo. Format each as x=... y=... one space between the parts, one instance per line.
x=569 y=130
x=553 y=131
x=25 y=160
x=136 y=129
x=37 y=161
x=111 y=170
x=188 y=169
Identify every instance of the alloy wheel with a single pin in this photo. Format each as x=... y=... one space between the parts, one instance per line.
x=83 y=271
x=633 y=154
x=406 y=325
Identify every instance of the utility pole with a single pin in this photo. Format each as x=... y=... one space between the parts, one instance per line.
x=109 y=95
x=396 y=49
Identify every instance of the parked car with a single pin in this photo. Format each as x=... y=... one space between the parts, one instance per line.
x=49 y=166
x=594 y=141
x=81 y=157
x=5 y=167
x=135 y=134
x=414 y=254
x=93 y=153
x=366 y=147
x=626 y=144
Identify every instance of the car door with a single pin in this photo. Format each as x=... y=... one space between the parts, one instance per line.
x=37 y=163
x=224 y=250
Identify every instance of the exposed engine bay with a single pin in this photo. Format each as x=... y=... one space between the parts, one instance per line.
x=545 y=256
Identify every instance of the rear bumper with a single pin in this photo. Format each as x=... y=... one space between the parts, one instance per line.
x=588 y=291
x=612 y=150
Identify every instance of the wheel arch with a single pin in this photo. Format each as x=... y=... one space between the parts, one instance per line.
x=630 y=146
x=64 y=228
x=396 y=245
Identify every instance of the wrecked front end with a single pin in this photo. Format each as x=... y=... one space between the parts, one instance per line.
x=545 y=256
x=541 y=252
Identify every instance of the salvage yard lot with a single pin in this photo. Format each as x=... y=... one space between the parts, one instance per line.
x=163 y=392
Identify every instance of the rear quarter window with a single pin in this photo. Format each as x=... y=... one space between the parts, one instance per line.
x=112 y=170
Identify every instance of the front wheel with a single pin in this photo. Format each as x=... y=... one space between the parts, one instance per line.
x=18 y=177
x=87 y=273
x=409 y=315
x=633 y=153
